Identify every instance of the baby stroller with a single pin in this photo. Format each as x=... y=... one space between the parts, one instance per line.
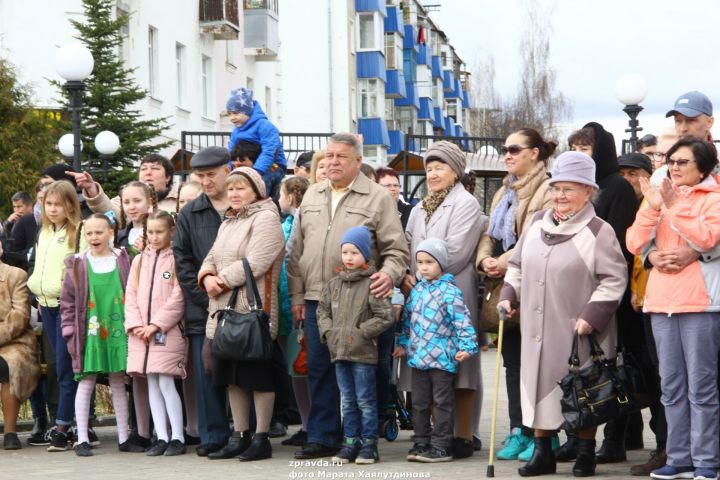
x=398 y=417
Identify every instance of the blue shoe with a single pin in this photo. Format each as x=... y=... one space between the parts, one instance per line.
x=705 y=474
x=668 y=472
x=514 y=444
x=526 y=454
x=349 y=451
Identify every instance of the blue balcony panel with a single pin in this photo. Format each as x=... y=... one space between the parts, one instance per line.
x=455 y=92
x=410 y=37
x=426 y=111
x=395 y=86
x=466 y=142
x=448 y=81
x=397 y=142
x=458 y=131
x=371 y=65
x=371 y=6
x=374 y=131
x=411 y=99
x=410 y=65
x=437 y=118
x=392 y=23
x=449 y=126
x=436 y=69
x=465 y=99
x=423 y=57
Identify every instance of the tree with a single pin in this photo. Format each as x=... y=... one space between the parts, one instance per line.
x=27 y=138
x=112 y=94
x=536 y=103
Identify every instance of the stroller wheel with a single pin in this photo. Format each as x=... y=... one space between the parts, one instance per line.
x=390 y=430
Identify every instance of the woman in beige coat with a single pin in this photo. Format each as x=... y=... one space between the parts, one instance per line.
x=251 y=230
x=525 y=191
x=451 y=214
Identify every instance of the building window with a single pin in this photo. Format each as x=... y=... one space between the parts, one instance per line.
x=206 y=80
x=369 y=31
x=153 y=64
x=271 y=5
x=124 y=46
x=249 y=83
x=268 y=102
x=180 y=72
x=371 y=97
x=390 y=114
x=230 y=53
x=353 y=104
x=393 y=51
x=452 y=109
x=407 y=120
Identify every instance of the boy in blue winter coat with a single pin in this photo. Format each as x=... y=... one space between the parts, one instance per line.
x=436 y=336
x=252 y=125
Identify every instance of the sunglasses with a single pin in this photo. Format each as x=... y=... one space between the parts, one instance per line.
x=512 y=149
x=681 y=162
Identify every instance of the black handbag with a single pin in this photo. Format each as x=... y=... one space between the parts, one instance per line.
x=243 y=337
x=595 y=394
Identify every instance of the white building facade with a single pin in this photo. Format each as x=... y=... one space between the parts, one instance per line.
x=188 y=54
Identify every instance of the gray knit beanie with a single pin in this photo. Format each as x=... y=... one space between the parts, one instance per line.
x=437 y=249
x=448 y=153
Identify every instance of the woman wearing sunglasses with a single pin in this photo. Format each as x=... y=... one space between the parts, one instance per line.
x=683 y=303
x=525 y=191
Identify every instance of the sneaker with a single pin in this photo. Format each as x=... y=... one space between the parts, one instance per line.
x=158 y=448
x=526 y=454
x=368 y=454
x=298 y=439
x=174 y=448
x=416 y=450
x=514 y=444
x=59 y=441
x=44 y=439
x=83 y=450
x=11 y=441
x=434 y=455
x=348 y=452
x=92 y=436
x=130 y=447
x=705 y=474
x=668 y=472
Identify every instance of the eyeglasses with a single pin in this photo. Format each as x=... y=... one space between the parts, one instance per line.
x=565 y=192
x=680 y=162
x=512 y=149
x=659 y=156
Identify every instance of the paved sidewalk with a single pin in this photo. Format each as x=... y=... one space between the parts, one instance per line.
x=109 y=463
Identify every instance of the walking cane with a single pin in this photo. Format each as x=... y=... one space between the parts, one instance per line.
x=491 y=466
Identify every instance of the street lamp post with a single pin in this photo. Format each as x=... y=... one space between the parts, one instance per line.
x=106 y=143
x=66 y=147
x=631 y=89
x=74 y=63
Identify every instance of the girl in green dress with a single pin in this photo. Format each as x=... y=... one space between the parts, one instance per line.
x=92 y=314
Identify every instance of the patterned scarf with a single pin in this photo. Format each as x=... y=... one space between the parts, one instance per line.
x=433 y=200
x=560 y=217
x=502 y=219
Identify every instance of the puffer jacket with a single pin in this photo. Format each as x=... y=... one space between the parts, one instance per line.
x=74 y=302
x=254 y=233
x=259 y=129
x=693 y=221
x=46 y=280
x=153 y=296
x=436 y=325
x=350 y=318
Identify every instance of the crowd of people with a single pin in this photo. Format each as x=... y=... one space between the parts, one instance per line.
x=129 y=292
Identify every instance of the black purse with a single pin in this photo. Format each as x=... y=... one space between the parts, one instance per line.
x=595 y=394
x=243 y=337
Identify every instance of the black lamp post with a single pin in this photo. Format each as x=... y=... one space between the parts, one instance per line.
x=631 y=89
x=106 y=143
x=74 y=63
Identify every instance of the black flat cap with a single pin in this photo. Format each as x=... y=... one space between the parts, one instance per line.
x=210 y=157
x=635 y=160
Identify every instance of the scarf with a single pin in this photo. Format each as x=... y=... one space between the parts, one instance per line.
x=433 y=200
x=502 y=219
x=558 y=217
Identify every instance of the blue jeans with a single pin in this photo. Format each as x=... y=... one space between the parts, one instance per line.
x=324 y=420
x=38 y=400
x=63 y=365
x=212 y=421
x=356 y=382
x=272 y=182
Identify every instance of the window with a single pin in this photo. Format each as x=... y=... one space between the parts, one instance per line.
x=153 y=64
x=407 y=119
x=206 y=81
x=452 y=108
x=124 y=46
x=353 y=104
x=390 y=114
x=180 y=73
x=261 y=4
x=230 y=53
x=370 y=31
x=437 y=92
x=268 y=102
x=249 y=83
x=393 y=51
x=371 y=97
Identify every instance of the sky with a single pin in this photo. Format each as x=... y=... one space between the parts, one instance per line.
x=673 y=45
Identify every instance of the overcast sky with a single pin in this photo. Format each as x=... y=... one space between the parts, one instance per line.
x=674 y=45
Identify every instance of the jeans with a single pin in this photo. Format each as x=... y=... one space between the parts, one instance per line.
x=383 y=371
x=212 y=421
x=324 y=420
x=63 y=366
x=356 y=382
x=272 y=182
x=38 y=400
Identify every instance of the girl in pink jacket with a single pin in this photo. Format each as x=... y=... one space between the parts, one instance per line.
x=154 y=324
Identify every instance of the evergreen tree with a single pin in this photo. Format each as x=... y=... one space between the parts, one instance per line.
x=27 y=138
x=111 y=97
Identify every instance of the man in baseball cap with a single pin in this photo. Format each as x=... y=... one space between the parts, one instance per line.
x=693 y=113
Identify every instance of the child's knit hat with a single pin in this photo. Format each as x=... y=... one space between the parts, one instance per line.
x=436 y=248
x=241 y=100
x=360 y=237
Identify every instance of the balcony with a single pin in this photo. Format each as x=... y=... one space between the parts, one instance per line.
x=261 y=19
x=220 y=18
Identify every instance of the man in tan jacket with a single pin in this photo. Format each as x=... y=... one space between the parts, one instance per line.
x=346 y=199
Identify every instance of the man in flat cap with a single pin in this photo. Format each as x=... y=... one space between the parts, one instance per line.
x=196 y=229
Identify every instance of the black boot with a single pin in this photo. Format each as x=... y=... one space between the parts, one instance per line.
x=259 y=449
x=612 y=449
x=542 y=461
x=568 y=450
x=237 y=444
x=585 y=463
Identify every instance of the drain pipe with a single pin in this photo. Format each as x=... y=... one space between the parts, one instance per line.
x=330 y=64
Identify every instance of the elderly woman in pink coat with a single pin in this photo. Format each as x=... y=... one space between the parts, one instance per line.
x=567 y=275
x=452 y=214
